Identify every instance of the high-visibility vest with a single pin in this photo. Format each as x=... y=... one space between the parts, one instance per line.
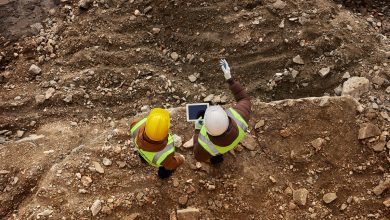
x=153 y=158
x=213 y=149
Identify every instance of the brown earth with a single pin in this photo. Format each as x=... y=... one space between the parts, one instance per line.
x=106 y=63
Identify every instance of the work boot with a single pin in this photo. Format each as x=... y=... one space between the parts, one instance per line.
x=217 y=159
x=141 y=158
x=164 y=173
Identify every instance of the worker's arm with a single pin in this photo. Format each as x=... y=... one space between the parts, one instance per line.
x=243 y=105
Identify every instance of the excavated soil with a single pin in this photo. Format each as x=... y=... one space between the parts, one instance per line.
x=101 y=66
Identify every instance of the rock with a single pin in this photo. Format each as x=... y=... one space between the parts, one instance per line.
x=98 y=167
x=298 y=60
x=273 y=180
x=300 y=196
x=381 y=187
x=329 y=197
x=343 y=206
x=378 y=80
x=39 y=99
x=148 y=9
x=96 y=207
x=249 y=142
x=189 y=143
x=86 y=181
x=279 y=5
x=137 y=12
x=285 y=133
x=68 y=98
x=324 y=71
x=36 y=28
x=380 y=146
x=209 y=98
x=183 y=200
x=355 y=86
x=216 y=99
x=173 y=216
x=133 y=216
x=107 y=162
x=156 y=30
x=346 y=75
x=32 y=137
x=178 y=140
x=34 y=69
x=85 y=4
x=188 y=214
x=259 y=124
x=387 y=202
x=388 y=90
x=46 y=212
x=192 y=78
x=145 y=108
x=174 y=56
x=49 y=93
x=3 y=172
x=2 y=140
x=19 y=133
x=317 y=143
x=368 y=130
x=281 y=25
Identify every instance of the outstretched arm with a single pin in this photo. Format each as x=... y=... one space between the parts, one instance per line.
x=243 y=105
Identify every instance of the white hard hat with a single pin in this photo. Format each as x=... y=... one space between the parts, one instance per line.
x=216 y=120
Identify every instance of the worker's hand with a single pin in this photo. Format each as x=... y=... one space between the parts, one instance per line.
x=179 y=158
x=225 y=68
x=199 y=123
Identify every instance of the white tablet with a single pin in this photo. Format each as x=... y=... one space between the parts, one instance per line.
x=196 y=110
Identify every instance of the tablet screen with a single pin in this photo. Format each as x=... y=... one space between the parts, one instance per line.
x=196 y=110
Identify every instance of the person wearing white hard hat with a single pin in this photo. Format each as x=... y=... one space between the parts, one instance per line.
x=222 y=129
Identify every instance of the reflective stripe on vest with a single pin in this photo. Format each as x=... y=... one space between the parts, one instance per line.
x=213 y=149
x=153 y=158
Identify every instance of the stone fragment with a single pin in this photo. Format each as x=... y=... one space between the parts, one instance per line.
x=85 y=4
x=98 y=167
x=49 y=93
x=343 y=206
x=107 y=162
x=178 y=140
x=387 y=202
x=324 y=71
x=279 y=5
x=300 y=196
x=34 y=69
x=19 y=133
x=36 y=28
x=96 y=207
x=259 y=124
x=86 y=181
x=189 y=213
x=189 y=143
x=183 y=200
x=249 y=142
x=174 y=56
x=355 y=86
x=298 y=60
x=209 y=98
x=329 y=197
x=317 y=143
x=156 y=30
x=368 y=130
x=381 y=187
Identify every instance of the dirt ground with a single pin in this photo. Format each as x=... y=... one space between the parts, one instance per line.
x=102 y=66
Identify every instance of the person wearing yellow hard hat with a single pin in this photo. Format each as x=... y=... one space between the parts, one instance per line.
x=154 y=143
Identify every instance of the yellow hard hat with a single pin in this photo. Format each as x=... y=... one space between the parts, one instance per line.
x=157 y=124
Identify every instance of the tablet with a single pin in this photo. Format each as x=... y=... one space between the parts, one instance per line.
x=196 y=110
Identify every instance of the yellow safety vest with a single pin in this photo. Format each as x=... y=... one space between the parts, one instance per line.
x=153 y=158
x=213 y=149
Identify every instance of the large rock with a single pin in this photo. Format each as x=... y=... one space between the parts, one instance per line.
x=178 y=140
x=300 y=196
x=188 y=214
x=34 y=69
x=329 y=197
x=381 y=187
x=368 y=130
x=355 y=86
x=96 y=207
x=249 y=142
x=85 y=4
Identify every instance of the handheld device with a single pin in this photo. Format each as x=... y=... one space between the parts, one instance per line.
x=195 y=110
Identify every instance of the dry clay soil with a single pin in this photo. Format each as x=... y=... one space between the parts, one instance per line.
x=112 y=63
